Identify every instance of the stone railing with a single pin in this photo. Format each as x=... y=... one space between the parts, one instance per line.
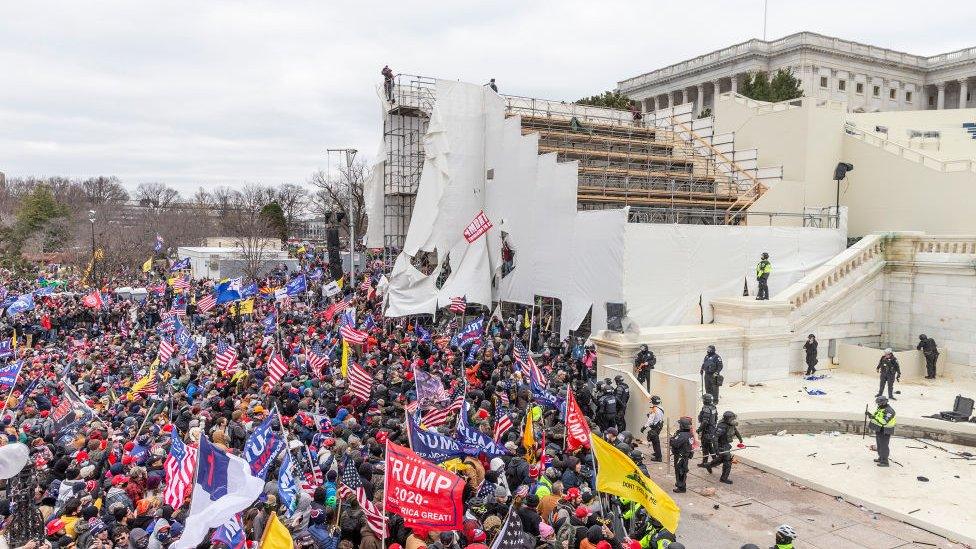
x=965 y=245
x=912 y=155
x=870 y=249
x=763 y=107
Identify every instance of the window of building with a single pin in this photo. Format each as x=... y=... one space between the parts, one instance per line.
x=931 y=100
x=892 y=93
x=859 y=88
x=876 y=91
x=823 y=81
x=842 y=85
x=908 y=97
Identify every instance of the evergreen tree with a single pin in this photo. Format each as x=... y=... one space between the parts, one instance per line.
x=275 y=218
x=611 y=99
x=782 y=87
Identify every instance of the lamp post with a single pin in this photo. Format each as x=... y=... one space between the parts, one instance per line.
x=350 y=156
x=91 y=219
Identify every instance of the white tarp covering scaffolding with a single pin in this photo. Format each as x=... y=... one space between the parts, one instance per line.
x=476 y=159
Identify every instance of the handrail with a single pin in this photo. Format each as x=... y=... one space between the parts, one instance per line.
x=913 y=155
x=819 y=280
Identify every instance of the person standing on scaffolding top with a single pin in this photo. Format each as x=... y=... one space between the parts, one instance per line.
x=388 y=83
x=763 y=268
x=491 y=84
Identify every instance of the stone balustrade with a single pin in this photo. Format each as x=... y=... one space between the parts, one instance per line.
x=869 y=250
x=965 y=245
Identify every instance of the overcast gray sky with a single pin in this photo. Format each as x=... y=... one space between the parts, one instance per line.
x=221 y=93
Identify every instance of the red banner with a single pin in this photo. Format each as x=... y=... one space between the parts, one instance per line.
x=478 y=226
x=93 y=300
x=422 y=493
x=577 y=430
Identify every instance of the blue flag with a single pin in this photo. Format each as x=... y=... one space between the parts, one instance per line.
x=231 y=534
x=262 y=447
x=21 y=304
x=229 y=291
x=297 y=286
x=250 y=290
x=9 y=373
x=469 y=333
x=432 y=446
x=421 y=332
x=6 y=350
x=270 y=324
x=317 y=274
x=473 y=441
x=546 y=398
x=287 y=488
x=180 y=265
x=183 y=338
x=27 y=393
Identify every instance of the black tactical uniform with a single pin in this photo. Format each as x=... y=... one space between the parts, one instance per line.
x=607 y=406
x=810 y=348
x=622 y=392
x=682 y=451
x=644 y=362
x=707 y=418
x=931 y=352
x=890 y=371
x=711 y=371
x=725 y=431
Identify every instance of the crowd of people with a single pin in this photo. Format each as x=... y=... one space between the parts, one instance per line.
x=104 y=395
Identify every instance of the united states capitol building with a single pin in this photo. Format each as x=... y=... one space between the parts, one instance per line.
x=868 y=78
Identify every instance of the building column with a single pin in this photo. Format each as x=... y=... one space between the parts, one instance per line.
x=717 y=85
x=657 y=103
x=940 y=101
x=963 y=90
x=735 y=83
x=684 y=95
x=700 y=100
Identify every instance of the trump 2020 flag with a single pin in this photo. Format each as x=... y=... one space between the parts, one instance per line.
x=262 y=447
x=297 y=286
x=425 y=495
x=287 y=487
x=224 y=486
x=9 y=374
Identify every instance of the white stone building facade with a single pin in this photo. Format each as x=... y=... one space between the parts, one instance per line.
x=868 y=78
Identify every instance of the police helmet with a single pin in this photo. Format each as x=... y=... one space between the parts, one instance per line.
x=684 y=423
x=923 y=337
x=643 y=347
x=606 y=381
x=637 y=456
x=707 y=398
x=765 y=255
x=881 y=400
x=619 y=378
x=730 y=418
x=711 y=348
x=626 y=437
x=655 y=400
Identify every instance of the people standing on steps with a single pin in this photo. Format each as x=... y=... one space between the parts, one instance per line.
x=622 y=392
x=653 y=426
x=711 y=372
x=931 y=353
x=682 y=451
x=883 y=422
x=707 y=420
x=890 y=372
x=725 y=431
x=810 y=348
x=643 y=364
x=763 y=268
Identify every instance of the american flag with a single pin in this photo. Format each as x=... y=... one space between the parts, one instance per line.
x=166 y=350
x=458 y=304
x=123 y=329
x=331 y=310
x=360 y=382
x=182 y=283
x=366 y=285
x=502 y=423
x=310 y=473
x=206 y=303
x=352 y=483
x=180 y=466
x=438 y=416
x=317 y=359
x=226 y=357
x=503 y=396
x=529 y=368
x=179 y=307
x=276 y=371
x=352 y=335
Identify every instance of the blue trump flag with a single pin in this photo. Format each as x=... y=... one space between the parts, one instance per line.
x=231 y=533
x=180 y=265
x=250 y=290
x=270 y=324
x=296 y=286
x=545 y=397
x=9 y=374
x=432 y=446
x=229 y=291
x=262 y=447
x=473 y=441
x=21 y=304
x=287 y=488
x=421 y=332
x=469 y=333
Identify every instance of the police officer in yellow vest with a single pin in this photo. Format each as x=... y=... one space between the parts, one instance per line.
x=883 y=424
x=763 y=268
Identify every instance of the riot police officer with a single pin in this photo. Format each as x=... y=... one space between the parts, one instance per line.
x=711 y=372
x=653 y=426
x=763 y=268
x=643 y=364
x=883 y=424
x=890 y=371
x=681 y=451
x=724 y=432
x=607 y=406
x=622 y=392
x=707 y=419
x=931 y=352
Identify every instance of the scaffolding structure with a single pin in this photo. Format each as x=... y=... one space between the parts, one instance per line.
x=409 y=103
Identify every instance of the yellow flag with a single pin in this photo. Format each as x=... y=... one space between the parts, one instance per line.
x=345 y=358
x=13 y=340
x=525 y=319
x=618 y=475
x=171 y=280
x=247 y=307
x=147 y=266
x=143 y=381
x=276 y=535
x=340 y=282
x=528 y=439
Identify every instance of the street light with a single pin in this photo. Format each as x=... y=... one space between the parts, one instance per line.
x=91 y=218
x=350 y=155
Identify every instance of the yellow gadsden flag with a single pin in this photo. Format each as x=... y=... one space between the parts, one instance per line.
x=618 y=475
x=344 y=367
x=276 y=535
x=147 y=266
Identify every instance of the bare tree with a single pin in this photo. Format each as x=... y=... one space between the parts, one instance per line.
x=104 y=190
x=252 y=230
x=294 y=201
x=156 y=196
x=332 y=194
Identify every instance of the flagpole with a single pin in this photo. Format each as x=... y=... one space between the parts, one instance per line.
x=386 y=484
